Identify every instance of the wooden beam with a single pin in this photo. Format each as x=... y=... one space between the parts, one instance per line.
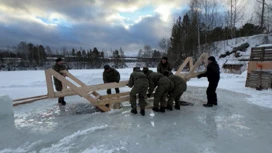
x=188 y=59
x=68 y=74
x=111 y=101
x=28 y=100
x=202 y=58
x=79 y=91
x=114 y=95
x=49 y=83
x=90 y=89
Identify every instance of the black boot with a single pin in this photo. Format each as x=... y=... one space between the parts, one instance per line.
x=162 y=109
x=169 y=108
x=134 y=111
x=208 y=105
x=155 y=109
x=177 y=107
x=61 y=101
x=142 y=112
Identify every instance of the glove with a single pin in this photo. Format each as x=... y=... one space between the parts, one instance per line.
x=148 y=95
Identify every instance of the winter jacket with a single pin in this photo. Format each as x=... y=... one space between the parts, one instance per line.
x=58 y=68
x=212 y=72
x=112 y=76
x=164 y=67
x=157 y=79
x=138 y=80
x=178 y=83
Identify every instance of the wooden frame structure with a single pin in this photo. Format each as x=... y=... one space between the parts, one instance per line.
x=73 y=86
x=259 y=70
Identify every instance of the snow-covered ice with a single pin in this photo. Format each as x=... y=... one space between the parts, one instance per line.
x=240 y=123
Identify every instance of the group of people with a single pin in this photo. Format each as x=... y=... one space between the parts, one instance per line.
x=169 y=87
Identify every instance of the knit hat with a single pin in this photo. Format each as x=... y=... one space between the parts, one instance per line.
x=106 y=67
x=58 y=59
x=165 y=58
x=136 y=68
x=211 y=58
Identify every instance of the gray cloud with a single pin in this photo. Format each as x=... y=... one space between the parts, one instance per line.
x=82 y=24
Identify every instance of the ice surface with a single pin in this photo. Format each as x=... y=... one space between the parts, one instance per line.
x=232 y=126
x=6 y=108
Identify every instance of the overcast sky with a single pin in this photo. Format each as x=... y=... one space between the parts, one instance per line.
x=105 y=24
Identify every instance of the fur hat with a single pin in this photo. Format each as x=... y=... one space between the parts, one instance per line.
x=165 y=58
x=58 y=59
x=106 y=67
x=211 y=58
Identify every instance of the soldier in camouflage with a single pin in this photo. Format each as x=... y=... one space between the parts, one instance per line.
x=180 y=86
x=139 y=83
x=163 y=84
x=58 y=85
x=164 y=65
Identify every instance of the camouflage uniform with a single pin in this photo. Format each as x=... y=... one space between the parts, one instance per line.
x=180 y=86
x=164 y=67
x=163 y=83
x=57 y=83
x=139 y=82
x=112 y=76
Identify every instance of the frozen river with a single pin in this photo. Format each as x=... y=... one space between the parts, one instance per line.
x=232 y=126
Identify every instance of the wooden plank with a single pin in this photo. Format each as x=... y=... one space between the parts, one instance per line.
x=73 y=78
x=29 y=98
x=114 y=95
x=49 y=83
x=26 y=101
x=183 y=64
x=111 y=101
x=191 y=74
x=79 y=91
x=70 y=92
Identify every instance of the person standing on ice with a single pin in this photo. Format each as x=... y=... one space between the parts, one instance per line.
x=139 y=84
x=179 y=86
x=164 y=65
x=213 y=75
x=163 y=84
x=58 y=85
x=111 y=75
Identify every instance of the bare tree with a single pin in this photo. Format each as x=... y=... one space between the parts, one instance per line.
x=235 y=14
x=264 y=13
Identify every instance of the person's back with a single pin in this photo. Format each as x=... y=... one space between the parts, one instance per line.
x=178 y=82
x=139 y=83
x=138 y=79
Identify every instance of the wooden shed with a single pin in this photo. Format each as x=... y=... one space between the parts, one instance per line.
x=259 y=73
x=233 y=66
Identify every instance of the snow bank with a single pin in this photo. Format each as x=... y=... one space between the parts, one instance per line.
x=6 y=108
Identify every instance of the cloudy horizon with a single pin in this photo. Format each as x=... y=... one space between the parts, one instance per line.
x=107 y=25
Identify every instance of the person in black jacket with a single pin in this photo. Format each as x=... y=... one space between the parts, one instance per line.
x=213 y=75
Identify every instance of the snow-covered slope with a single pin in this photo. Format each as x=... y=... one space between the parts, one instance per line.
x=221 y=47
